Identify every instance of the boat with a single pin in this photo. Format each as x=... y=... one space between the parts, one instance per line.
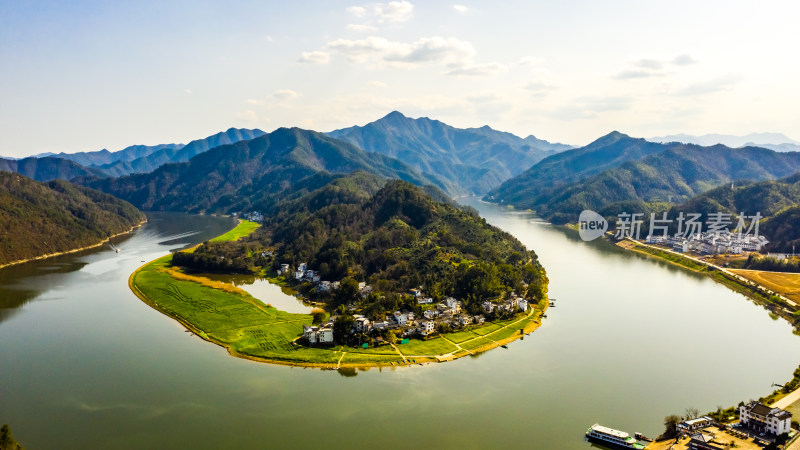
x=613 y=438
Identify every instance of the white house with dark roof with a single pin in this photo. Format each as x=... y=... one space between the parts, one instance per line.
x=763 y=418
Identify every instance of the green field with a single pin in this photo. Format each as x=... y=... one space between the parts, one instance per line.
x=435 y=346
x=244 y=228
x=251 y=329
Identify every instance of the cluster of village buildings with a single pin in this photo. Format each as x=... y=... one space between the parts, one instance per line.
x=754 y=417
x=447 y=312
x=712 y=243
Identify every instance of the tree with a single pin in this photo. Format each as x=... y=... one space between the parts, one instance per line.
x=342 y=327
x=671 y=424
x=692 y=413
x=7 y=441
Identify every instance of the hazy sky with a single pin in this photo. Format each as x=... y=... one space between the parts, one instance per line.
x=83 y=75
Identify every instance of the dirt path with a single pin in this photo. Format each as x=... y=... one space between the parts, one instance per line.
x=339 y=363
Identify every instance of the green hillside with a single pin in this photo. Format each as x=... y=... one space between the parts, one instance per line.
x=44 y=218
x=251 y=174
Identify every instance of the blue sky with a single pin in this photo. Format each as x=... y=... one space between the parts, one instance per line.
x=81 y=76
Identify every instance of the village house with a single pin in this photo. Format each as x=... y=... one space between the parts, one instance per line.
x=488 y=306
x=704 y=441
x=284 y=269
x=430 y=313
x=324 y=286
x=415 y=292
x=695 y=424
x=380 y=325
x=523 y=304
x=453 y=304
x=424 y=300
x=426 y=327
x=362 y=324
x=765 y=419
x=319 y=335
x=479 y=319
x=464 y=320
x=400 y=318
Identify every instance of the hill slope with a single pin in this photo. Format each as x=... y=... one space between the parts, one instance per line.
x=471 y=160
x=672 y=176
x=251 y=174
x=173 y=154
x=43 y=218
x=537 y=184
x=48 y=168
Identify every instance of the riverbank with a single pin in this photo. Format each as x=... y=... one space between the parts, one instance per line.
x=250 y=329
x=762 y=295
x=75 y=250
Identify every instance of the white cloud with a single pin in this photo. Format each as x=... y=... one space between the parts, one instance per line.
x=285 y=94
x=378 y=84
x=529 y=61
x=684 y=60
x=449 y=51
x=357 y=11
x=315 y=57
x=590 y=107
x=461 y=8
x=361 y=28
x=188 y=91
x=723 y=83
x=649 y=63
x=652 y=67
x=248 y=116
x=478 y=70
x=253 y=101
x=538 y=86
x=394 y=11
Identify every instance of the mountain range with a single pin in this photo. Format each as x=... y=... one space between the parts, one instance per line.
x=465 y=160
x=618 y=172
x=252 y=174
x=773 y=141
x=47 y=168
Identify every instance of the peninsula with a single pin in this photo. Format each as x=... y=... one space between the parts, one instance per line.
x=403 y=279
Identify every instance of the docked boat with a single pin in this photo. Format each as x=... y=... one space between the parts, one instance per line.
x=613 y=438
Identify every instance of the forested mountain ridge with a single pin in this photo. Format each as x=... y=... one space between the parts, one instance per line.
x=251 y=174
x=538 y=183
x=174 y=154
x=47 y=169
x=43 y=218
x=471 y=160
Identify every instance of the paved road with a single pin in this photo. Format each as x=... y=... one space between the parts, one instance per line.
x=788 y=400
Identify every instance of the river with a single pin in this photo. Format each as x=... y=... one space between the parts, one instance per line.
x=85 y=364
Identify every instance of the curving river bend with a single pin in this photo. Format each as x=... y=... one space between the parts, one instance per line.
x=85 y=364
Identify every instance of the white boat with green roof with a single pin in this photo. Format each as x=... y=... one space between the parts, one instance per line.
x=613 y=438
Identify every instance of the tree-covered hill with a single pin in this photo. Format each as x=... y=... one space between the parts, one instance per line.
x=251 y=174
x=471 y=160
x=547 y=177
x=43 y=218
x=394 y=236
x=47 y=169
x=671 y=176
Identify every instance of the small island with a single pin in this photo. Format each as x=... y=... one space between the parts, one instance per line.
x=398 y=277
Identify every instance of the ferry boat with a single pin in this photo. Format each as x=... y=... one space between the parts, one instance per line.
x=613 y=438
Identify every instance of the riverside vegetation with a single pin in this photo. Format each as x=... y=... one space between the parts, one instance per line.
x=391 y=235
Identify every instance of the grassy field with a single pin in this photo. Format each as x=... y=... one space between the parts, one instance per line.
x=244 y=228
x=784 y=283
x=248 y=328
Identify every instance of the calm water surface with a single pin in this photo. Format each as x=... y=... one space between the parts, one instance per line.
x=85 y=364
